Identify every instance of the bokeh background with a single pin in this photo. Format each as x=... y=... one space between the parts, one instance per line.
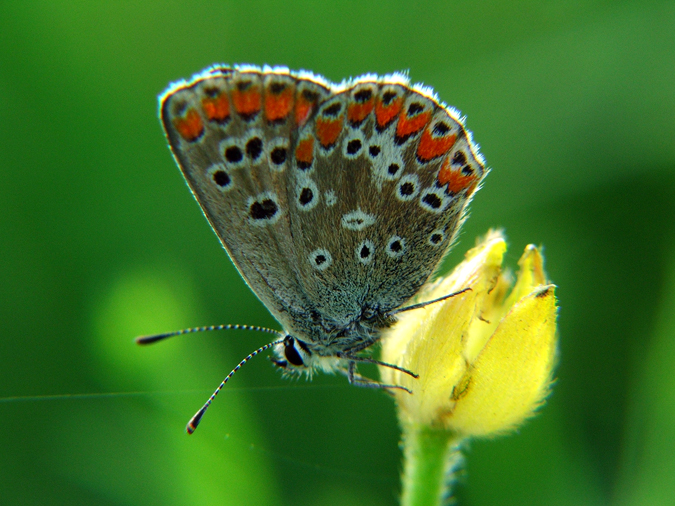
x=573 y=104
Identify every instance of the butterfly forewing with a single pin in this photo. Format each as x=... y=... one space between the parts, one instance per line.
x=212 y=124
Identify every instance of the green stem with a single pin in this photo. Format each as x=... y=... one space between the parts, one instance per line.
x=430 y=458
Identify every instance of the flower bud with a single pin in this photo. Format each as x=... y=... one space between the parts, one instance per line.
x=484 y=357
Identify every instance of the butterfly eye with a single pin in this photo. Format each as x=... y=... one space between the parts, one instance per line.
x=292 y=354
x=296 y=352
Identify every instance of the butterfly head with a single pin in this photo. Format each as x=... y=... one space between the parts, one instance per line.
x=294 y=356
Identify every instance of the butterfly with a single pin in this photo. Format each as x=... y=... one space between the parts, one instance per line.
x=335 y=202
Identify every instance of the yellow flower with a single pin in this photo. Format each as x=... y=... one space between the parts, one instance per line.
x=484 y=357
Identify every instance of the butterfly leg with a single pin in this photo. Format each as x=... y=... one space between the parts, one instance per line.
x=369 y=360
x=358 y=380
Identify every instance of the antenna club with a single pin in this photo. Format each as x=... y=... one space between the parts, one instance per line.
x=194 y=421
x=144 y=340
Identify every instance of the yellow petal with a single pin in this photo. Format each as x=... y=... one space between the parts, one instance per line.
x=434 y=354
x=511 y=376
x=530 y=275
x=431 y=341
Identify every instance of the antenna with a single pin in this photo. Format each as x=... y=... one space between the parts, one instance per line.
x=143 y=340
x=194 y=421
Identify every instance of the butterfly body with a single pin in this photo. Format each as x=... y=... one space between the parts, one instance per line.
x=336 y=203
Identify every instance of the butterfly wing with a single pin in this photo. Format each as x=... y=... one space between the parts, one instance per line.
x=331 y=201
x=231 y=132
x=393 y=172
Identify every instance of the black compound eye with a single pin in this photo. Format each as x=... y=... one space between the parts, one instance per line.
x=292 y=354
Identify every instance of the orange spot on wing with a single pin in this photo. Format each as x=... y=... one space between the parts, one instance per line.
x=430 y=147
x=278 y=106
x=216 y=108
x=455 y=180
x=357 y=112
x=247 y=102
x=190 y=126
x=408 y=126
x=303 y=109
x=304 y=152
x=328 y=131
x=385 y=114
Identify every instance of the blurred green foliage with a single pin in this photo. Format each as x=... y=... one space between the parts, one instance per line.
x=573 y=104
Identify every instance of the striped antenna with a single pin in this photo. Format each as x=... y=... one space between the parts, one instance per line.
x=194 y=421
x=159 y=337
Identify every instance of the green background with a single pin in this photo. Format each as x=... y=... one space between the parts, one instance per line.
x=573 y=104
